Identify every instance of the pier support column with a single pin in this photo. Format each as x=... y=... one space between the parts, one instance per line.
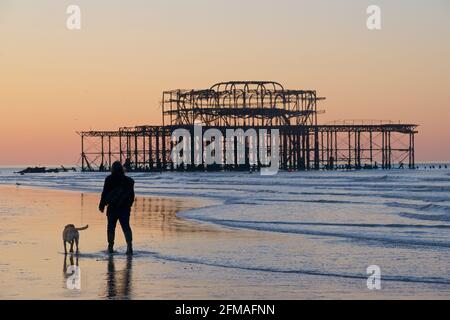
x=102 y=164
x=109 y=152
x=383 y=152
x=164 y=160
x=336 y=146
x=413 y=151
x=411 y=155
x=136 y=155
x=316 y=149
x=284 y=165
x=82 y=153
x=157 y=159
x=349 y=149
x=144 y=152
x=120 y=148
x=308 y=152
x=150 y=151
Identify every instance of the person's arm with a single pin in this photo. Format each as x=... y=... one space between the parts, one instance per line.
x=105 y=191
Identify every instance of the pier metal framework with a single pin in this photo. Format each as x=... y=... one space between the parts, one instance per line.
x=241 y=103
x=258 y=105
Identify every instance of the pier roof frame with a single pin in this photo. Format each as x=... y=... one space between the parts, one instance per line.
x=257 y=102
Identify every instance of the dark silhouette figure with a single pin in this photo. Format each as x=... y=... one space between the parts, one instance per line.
x=118 y=195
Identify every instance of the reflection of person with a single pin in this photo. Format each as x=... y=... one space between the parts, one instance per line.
x=118 y=289
x=118 y=195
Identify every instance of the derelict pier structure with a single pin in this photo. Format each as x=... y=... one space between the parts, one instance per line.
x=304 y=144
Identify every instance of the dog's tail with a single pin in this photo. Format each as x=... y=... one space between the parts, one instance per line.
x=83 y=228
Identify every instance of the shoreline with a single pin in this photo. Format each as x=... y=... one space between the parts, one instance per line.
x=203 y=202
x=213 y=201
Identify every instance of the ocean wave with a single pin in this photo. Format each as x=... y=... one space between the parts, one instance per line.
x=429 y=207
x=436 y=179
x=440 y=217
x=274 y=228
x=326 y=224
x=362 y=276
x=376 y=178
x=324 y=201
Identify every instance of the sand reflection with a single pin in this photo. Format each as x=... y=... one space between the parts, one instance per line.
x=159 y=215
x=118 y=282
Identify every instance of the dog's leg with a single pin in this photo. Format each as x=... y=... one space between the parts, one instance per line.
x=65 y=264
x=71 y=246
x=65 y=247
x=76 y=242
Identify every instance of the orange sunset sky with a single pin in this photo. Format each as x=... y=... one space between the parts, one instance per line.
x=111 y=73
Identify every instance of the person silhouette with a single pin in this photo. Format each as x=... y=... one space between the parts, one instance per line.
x=118 y=195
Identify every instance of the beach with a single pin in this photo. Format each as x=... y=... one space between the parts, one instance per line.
x=303 y=235
x=32 y=260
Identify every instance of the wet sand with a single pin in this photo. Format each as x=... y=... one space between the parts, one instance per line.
x=33 y=264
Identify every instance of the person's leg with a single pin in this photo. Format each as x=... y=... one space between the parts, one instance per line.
x=125 y=224
x=111 y=230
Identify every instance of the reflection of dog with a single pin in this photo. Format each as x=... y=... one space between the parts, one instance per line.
x=72 y=273
x=71 y=235
x=71 y=263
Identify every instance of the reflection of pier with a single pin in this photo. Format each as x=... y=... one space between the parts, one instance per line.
x=304 y=144
x=159 y=216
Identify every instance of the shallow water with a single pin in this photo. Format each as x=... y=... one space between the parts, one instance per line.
x=296 y=235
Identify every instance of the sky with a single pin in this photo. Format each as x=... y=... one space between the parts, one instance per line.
x=111 y=73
